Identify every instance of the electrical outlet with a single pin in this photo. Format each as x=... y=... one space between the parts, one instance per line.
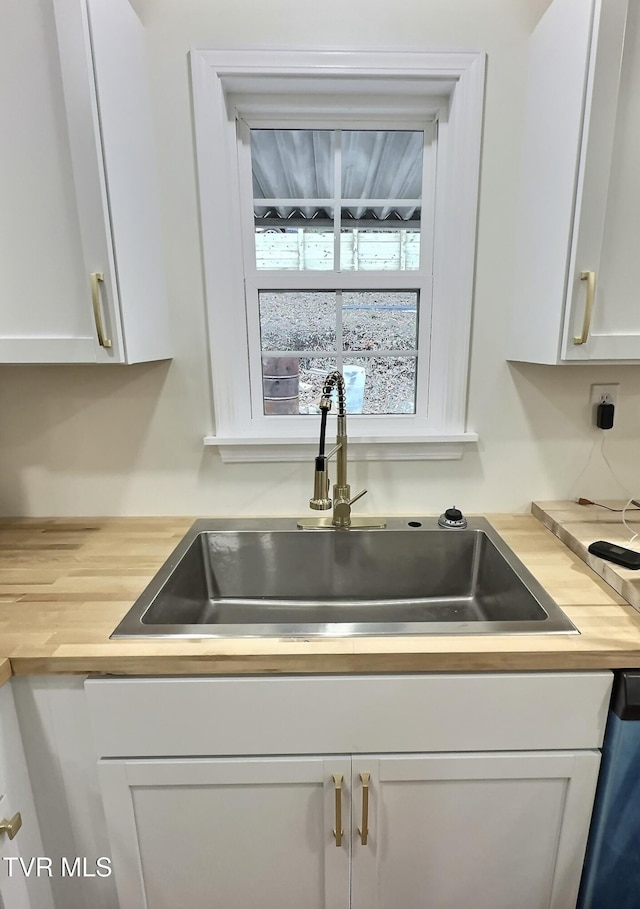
x=602 y=394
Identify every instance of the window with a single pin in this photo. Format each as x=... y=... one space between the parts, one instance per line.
x=338 y=199
x=327 y=203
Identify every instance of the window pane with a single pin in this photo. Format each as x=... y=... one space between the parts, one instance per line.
x=382 y=164
x=389 y=384
x=382 y=168
x=387 y=247
x=292 y=164
x=297 y=249
x=276 y=248
x=297 y=320
x=281 y=385
x=380 y=320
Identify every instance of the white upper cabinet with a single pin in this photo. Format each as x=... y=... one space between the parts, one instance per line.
x=80 y=242
x=575 y=289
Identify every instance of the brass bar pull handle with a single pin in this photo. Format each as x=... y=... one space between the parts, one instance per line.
x=364 y=830
x=11 y=827
x=96 y=279
x=590 y=278
x=337 y=830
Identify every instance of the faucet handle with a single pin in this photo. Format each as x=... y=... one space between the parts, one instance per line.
x=357 y=496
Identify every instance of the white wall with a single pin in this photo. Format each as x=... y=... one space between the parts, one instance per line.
x=128 y=440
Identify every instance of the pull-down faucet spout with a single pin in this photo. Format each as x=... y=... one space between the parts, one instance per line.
x=342 y=499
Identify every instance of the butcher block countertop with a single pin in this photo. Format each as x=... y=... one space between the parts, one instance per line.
x=579 y=525
x=66 y=583
x=5 y=671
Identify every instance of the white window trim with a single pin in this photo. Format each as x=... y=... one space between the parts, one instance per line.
x=459 y=76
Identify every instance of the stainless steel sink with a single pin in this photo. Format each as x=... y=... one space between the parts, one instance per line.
x=232 y=578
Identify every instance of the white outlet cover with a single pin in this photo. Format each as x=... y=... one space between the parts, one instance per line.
x=604 y=394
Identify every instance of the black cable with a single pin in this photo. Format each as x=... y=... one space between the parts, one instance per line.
x=583 y=501
x=323 y=430
x=333 y=379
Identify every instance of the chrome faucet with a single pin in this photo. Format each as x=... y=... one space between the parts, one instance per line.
x=342 y=499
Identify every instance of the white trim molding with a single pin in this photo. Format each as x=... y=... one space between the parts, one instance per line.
x=437 y=448
x=449 y=86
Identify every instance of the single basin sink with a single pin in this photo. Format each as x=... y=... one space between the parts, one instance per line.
x=232 y=578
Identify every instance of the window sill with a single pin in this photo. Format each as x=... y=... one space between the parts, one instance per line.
x=402 y=448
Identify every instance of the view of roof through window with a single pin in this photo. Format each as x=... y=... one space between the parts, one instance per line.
x=337 y=182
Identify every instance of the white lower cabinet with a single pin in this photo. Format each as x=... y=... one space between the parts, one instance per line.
x=24 y=882
x=442 y=791
x=492 y=831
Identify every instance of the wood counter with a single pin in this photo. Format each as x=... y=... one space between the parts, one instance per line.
x=66 y=583
x=5 y=671
x=580 y=525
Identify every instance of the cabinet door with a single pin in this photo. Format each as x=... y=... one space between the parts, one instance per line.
x=45 y=309
x=78 y=188
x=13 y=883
x=606 y=234
x=577 y=230
x=108 y=107
x=21 y=887
x=615 y=329
x=237 y=833
x=492 y=831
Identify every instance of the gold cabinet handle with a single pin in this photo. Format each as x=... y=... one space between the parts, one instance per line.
x=364 y=830
x=337 y=830
x=96 y=279
x=11 y=827
x=590 y=278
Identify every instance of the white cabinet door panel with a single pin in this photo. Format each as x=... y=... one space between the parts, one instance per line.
x=616 y=317
x=45 y=312
x=612 y=70
x=492 y=831
x=17 y=889
x=236 y=834
x=579 y=191
x=78 y=187
x=14 y=893
x=108 y=108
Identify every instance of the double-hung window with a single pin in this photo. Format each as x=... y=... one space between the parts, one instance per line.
x=338 y=196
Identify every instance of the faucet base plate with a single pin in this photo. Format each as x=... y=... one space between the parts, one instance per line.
x=358 y=522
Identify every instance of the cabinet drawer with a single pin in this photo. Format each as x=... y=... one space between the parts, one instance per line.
x=348 y=714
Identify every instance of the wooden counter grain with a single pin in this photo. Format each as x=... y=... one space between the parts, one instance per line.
x=66 y=583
